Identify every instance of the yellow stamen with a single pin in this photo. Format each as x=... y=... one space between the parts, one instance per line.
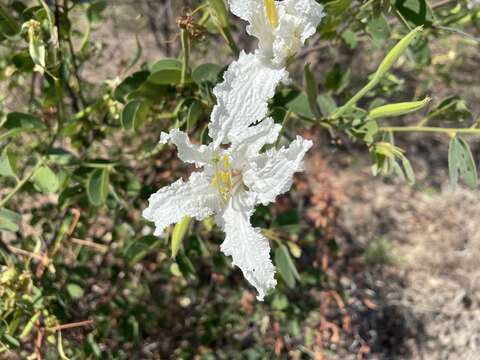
x=226 y=162
x=272 y=12
x=223 y=180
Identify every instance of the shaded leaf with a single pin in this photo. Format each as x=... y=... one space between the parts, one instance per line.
x=178 y=235
x=134 y=114
x=17 y=123
x=138 y=249
x=9 y=220
x=206 y=73
x=285 y=265
x=461 y=162
x=166 y=77
x=97 y=187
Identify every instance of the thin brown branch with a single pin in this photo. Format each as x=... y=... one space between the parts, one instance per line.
x=72 y=325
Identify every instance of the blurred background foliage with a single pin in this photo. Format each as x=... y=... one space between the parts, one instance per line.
x=81 y=275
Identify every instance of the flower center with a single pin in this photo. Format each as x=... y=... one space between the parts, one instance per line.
x=223 y=179
x=272 y=13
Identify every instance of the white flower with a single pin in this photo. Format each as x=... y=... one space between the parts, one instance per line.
x=232 y=181
x=249 y=82
x=282 y=27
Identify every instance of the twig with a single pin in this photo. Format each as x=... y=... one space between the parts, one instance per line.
x=39 y=341
x=100 y=248
x=42 y=258
x=72 y=325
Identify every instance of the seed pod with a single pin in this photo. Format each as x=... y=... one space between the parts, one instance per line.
x=396 y=52
x=391 y=110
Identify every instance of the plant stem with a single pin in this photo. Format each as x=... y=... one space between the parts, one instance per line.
x=284 y=124
x=350 y=103
x=186 y=55
x=21 y=183
x=469 y=131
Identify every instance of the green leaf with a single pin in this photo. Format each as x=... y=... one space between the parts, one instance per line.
x=97 y=186
x=8 y=164
x=296 y=102
x=17 y=123
x=166 y=77
x=9 y=220
x=165 y=64
x=138 y=249
x=206 y=73
x=178 y=235
x=220 y=19
x=8 y=25
x=185 y=265
x=149 y=91
x=13 y=342
x=129 y=85
x=29 y=326
x=338 y=79
x=93 y=347
x=37 y=51
x=326 y=104
x=23 y=61
x=46 y=180
x=134 y=114
x=94 y=11
x=350 y=38
x=75 y=291
x=379 y=30
x=195 y=113
x=311 y=90
x=62 y=157
x=220 y=12
x=286 y=266
x=461 y=161
x=452 y=108
x=417 y=12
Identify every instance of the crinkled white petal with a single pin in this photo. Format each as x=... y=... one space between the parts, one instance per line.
x=271 y=174
x=298 y=20
x=199 y=155
x=253 y=140
x=249 y=249
x=308 y=14
x=254 y=12
x=195 y=198
x=246 y=9
x=242 y=98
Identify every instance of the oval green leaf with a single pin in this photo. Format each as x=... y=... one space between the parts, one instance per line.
x=166 y=77
x=286 y=266
x=134 y=114
x=97 y=187
x=206 y=73
x=46 y=180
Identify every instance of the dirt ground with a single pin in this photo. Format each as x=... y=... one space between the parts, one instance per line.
x=434 y=248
